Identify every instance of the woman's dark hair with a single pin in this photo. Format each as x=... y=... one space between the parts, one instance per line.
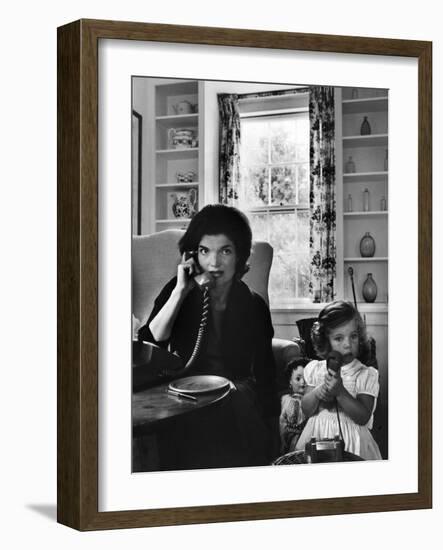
x=330 y=317
x=216 y=219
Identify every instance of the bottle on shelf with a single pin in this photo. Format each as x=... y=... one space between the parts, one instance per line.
x=383 y=204
x=365 y=128
x=385 y=162
x=349 y=203
x=350 y=166
x=366 y=200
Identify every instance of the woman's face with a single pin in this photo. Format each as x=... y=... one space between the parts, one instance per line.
x=344 y=339
x=216 y=254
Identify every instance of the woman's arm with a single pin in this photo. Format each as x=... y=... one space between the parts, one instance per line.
x=161 y=325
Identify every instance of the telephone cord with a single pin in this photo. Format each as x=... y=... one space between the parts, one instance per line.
x=338 y=420
x=201 y=329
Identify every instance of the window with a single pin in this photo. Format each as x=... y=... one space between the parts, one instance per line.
x=274 y=191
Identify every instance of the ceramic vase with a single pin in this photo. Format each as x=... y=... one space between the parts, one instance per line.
x=365 y=128
x=369 y=289
x=367 y=246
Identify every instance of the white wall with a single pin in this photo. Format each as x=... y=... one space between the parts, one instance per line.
x=28 y=275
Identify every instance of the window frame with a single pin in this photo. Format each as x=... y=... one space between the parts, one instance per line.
x=295 y=301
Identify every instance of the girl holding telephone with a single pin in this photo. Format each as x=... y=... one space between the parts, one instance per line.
x=238 y=340
x=341 y=401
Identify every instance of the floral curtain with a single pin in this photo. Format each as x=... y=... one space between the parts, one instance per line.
x=229 y=177
x=322 y=194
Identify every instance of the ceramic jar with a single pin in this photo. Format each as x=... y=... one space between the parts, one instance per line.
x=369 y=290
x=367 y=246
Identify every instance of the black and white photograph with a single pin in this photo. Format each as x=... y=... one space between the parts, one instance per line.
x=259 y=274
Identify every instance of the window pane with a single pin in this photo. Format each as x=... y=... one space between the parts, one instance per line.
x=289 y=278
x=303 y=230
x=302 y=152
x=283 y=185
x=302 y=129
x=282 y=236
x=303 y=183
x=259 y=226
x=253 y=190
x=303 y=276
x=283 y=139
x=254 y=141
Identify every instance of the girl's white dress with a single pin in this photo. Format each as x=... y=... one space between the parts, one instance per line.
x=357 y=379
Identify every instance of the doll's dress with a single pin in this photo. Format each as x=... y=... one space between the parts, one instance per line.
x=291 y=421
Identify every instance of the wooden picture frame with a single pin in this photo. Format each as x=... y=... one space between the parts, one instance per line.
x=77 y=431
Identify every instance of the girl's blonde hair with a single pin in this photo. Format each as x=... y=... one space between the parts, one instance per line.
x=330 y=317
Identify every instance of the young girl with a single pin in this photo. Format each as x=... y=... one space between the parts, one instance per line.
x=354 y=389
x=292 y=419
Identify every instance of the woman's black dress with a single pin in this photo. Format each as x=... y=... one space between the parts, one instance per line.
x=238 y=347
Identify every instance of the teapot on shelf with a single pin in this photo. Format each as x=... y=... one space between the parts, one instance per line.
x=184 y=107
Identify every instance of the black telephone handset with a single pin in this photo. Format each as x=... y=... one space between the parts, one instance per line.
x=203 y=279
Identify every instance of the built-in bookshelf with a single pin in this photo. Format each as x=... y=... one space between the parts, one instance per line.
x=365 y=167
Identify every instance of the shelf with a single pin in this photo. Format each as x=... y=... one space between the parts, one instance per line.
x=164 y=123
x=372 y=259
x=372 y=307
x=373 y=140
x=356 y=177
x=364 y=214
x=178 y=87
x=175 y=154
x=174 y=220
x=178 y=184
x=365 y=105
x=176 y=117
x=309 y=307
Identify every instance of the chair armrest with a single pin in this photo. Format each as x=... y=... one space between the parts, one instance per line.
x=284 y=351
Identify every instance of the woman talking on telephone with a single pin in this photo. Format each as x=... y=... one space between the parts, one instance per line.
x=238 y=339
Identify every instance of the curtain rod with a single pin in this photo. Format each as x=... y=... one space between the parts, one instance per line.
x=273 y=94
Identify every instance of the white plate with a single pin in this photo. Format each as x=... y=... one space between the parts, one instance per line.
x=199 y=384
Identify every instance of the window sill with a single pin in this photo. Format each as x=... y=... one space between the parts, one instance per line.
x=363 y=307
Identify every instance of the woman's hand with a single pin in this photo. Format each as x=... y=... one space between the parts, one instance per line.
x=186 y=271
x=334 y=383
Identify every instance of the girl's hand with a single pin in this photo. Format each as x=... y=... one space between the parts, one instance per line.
x=334 y=383
x=323 y=394
x=185 y=272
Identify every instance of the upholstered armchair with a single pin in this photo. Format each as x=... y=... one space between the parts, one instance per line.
x=154 y=262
